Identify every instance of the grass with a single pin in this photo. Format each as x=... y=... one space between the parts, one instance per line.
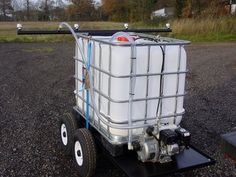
x=206 y=30
x=199 y=30
x=195 y=30
x=8 y=31
x=203 y=38
x=40 y=50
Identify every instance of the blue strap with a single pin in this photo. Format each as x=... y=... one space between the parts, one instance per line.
x=82 y=88
x=87 y=91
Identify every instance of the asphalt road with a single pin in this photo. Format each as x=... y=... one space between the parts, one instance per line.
x=36 y=88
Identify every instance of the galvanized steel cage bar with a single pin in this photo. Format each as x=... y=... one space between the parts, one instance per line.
x=106 y=119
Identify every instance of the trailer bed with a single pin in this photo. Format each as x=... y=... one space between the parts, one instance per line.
x=190 y=159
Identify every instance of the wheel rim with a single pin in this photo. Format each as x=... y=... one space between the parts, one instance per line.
x=78 y=153
x=64 y=136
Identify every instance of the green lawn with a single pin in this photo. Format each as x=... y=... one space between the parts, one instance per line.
x=8 y=31
x=204 y=30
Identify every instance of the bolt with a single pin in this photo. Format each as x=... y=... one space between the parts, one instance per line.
x=79 y=153
x=64 y=134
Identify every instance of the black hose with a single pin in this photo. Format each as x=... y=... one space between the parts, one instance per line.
x=162 y=68
x=161 y=78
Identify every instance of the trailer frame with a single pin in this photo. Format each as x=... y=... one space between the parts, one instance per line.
x=118 y=153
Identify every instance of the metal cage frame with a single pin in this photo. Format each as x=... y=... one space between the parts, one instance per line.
x=128 y=125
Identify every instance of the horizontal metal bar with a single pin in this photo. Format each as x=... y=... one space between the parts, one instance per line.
x=118 y=125
x=109 y=32
x=138 y=100
x=113 y=139
x=161 y=41
x=42 y=32
x=132 y=75
x=108 y=118
x=143 y=119
x=134 y=100
x=87 y=33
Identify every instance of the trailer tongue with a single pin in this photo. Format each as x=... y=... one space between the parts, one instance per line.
x=129 y=92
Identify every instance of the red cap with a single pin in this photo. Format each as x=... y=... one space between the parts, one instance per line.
x=122 y=39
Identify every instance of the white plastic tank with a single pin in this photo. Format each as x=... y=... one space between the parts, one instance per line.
x=173 y=84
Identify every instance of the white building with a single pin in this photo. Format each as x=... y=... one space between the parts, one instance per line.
x=233 y=8
x=232 y=5
x=164 y=12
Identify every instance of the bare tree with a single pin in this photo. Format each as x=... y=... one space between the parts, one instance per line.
x=16 y=4
x=5 y=8
x=27 y=9
x=59 y=3
x=46 y=7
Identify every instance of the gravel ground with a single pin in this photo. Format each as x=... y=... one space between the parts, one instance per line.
x=36 y=85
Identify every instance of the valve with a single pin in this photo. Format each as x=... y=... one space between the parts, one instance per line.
x=167 y=25
x=19 y=26
x=76 y=26
x=126 y=26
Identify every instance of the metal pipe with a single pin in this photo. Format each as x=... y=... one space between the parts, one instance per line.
x=136 y=75
x=109 y=88
x=118 y=125
x=163 y=41
x=134 y=100
x=90 y=32
x=177 y=82
x=147 y=83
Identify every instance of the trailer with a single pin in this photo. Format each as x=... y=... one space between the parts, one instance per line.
x=129 y=93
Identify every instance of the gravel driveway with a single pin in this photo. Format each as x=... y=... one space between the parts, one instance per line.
x=36 y=88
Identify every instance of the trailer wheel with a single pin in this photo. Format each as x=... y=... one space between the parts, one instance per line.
x=84 y=152
x=68 y=125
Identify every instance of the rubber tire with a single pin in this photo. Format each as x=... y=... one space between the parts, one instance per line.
x=88 y=147
x=71 y=126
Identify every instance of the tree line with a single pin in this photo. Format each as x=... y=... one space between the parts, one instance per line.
x=115 y=10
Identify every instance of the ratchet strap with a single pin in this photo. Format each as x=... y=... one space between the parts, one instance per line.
x=87 y=82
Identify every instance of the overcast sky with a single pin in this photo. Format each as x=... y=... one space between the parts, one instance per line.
x=19 y=4
x=63 y=0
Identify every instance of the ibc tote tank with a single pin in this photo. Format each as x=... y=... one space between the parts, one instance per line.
x=149 y=60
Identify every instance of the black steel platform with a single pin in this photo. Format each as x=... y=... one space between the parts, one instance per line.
x=188 y=160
